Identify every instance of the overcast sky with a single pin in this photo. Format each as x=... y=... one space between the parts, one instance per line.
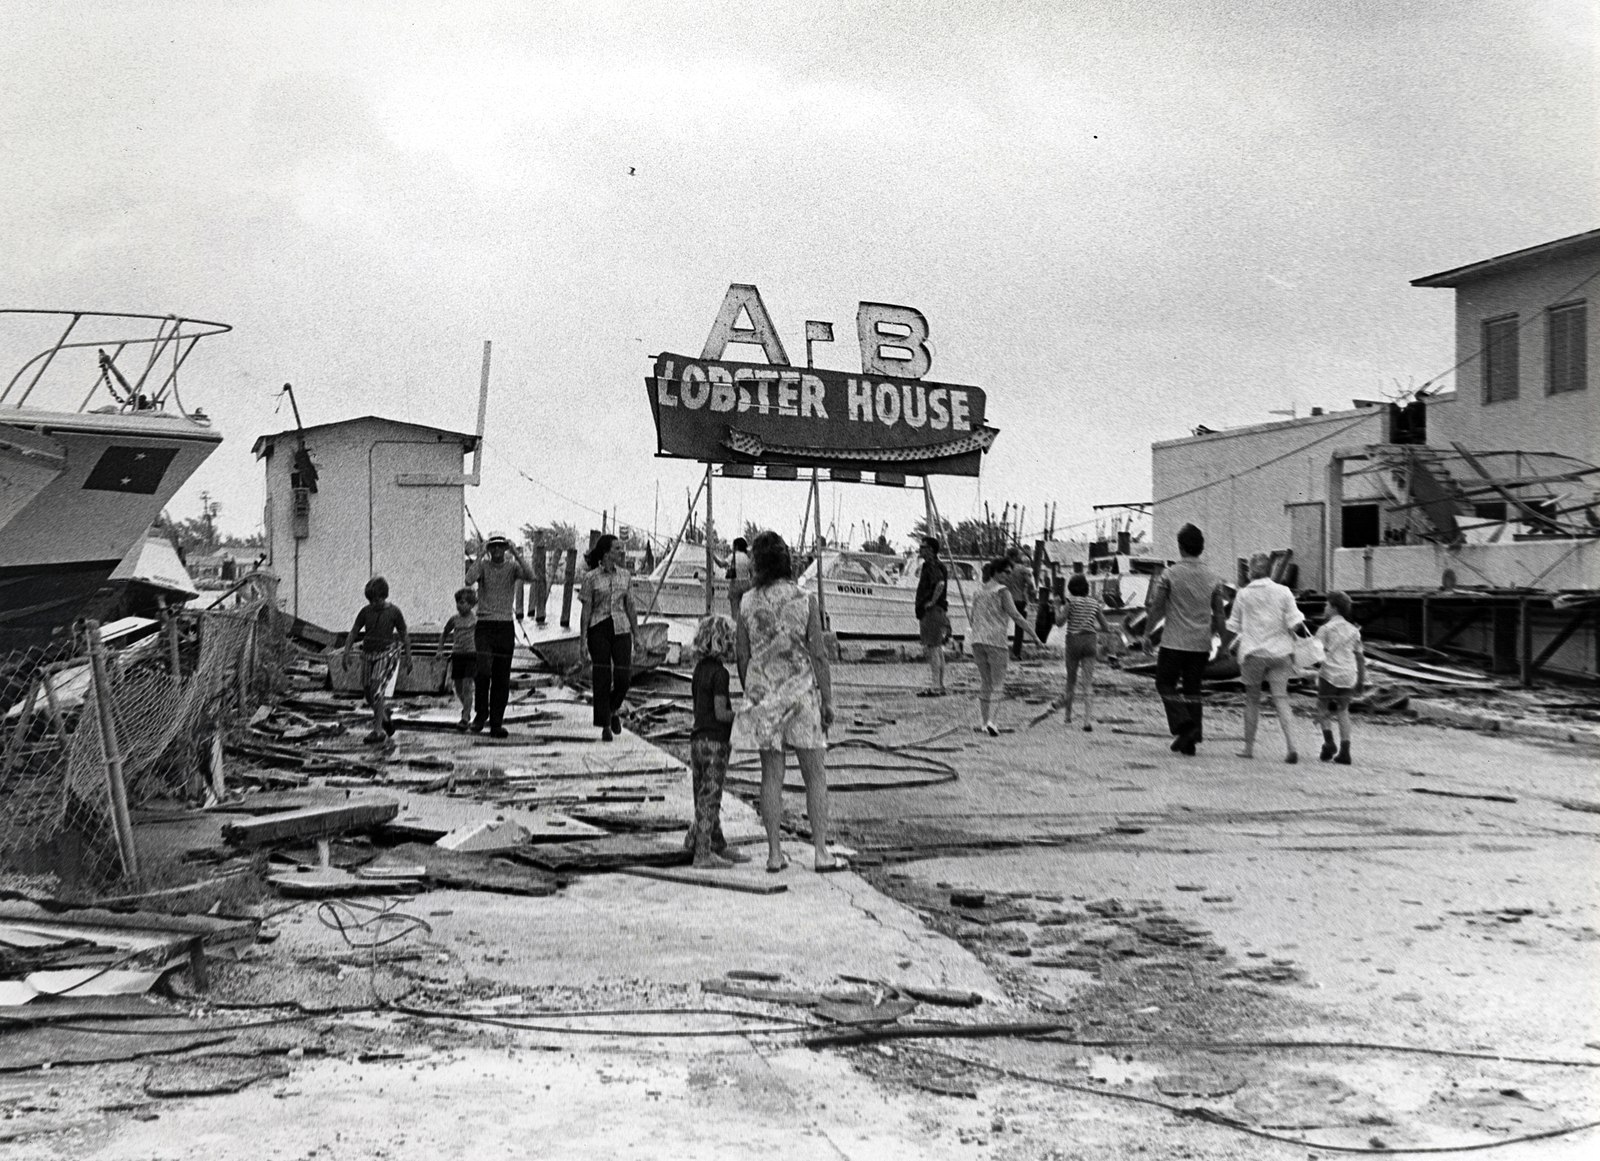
x=1120 y=219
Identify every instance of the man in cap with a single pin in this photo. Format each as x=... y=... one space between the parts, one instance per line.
x=496 y=578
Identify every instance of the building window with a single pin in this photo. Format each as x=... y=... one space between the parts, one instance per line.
x=1500 y=359
x=1360 y=526
x=1566 y=348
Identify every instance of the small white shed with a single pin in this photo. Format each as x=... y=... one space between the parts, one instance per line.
x=387 y=501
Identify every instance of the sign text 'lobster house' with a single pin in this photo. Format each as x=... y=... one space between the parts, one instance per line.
x=887 y=419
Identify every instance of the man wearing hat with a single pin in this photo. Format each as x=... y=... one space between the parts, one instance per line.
x=496 y=579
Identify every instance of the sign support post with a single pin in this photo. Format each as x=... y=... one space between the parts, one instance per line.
x=816 y=508
x=710 y=559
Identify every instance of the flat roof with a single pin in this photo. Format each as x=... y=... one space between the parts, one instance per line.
x=1353 y=416
x=1516 y=260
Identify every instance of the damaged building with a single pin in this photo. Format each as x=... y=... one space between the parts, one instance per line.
x=1466 y=520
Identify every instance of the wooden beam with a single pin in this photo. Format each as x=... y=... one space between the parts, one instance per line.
x=1456 y=629
x=1559 y=639
x=311 y=823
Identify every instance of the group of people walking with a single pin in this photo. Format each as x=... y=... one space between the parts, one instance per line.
x=775 y=639
x=1189 y=605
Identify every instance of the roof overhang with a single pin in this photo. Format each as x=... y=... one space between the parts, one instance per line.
x=1577 y=244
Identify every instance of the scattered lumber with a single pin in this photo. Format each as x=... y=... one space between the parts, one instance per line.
x=313 y=822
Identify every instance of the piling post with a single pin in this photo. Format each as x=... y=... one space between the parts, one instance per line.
x=541 y=577
x=172 y=642
x=566 y=588
x=118 y=791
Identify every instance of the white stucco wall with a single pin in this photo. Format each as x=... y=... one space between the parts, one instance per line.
x=364 y=523
x=1535 y=421
x=1234 y=484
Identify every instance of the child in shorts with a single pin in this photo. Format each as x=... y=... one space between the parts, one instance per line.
x=709 y=744
x=460 y=633
x=381 y=629
x=1084 y=619
x=1344 y=674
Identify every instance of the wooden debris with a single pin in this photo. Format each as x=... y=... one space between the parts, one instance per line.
x=497 y=834
x=721 y=880
x=944 y=1086
x=468 y=872
x=793 y=997
x=325 y=882
x=1182 y=1084
x=885 y=1012
x=939 y=996
x=607 y=854
x=210 y=1076
x=30 y=1048
x=1482 y=797
x=75 y=1009
x=311 y=823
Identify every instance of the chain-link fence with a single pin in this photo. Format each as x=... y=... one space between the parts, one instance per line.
x=170 y=692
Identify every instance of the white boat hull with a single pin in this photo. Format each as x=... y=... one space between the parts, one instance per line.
x=680 y=598
x=888 y=612
x=66 y=527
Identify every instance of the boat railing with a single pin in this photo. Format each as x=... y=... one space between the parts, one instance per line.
x=88 y=353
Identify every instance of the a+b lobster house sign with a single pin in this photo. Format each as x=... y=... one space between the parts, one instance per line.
x=889 y=418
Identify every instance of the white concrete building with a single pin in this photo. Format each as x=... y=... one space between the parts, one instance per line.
x=388 y=501
x=1523 y=333
x=1523 y=330
x=1494 y=552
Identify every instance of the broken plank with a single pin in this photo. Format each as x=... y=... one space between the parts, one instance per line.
x=791 y=996
x=722 y=880
x=606 y=854
x=310 y=823
x=468 y=872
x=1482 y=797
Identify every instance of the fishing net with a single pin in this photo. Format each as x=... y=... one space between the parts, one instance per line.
x=169 y=691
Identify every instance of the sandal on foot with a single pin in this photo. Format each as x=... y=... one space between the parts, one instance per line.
x=832 y=868
x=783 y=865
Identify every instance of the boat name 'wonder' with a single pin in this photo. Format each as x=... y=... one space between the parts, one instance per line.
x=803 y=395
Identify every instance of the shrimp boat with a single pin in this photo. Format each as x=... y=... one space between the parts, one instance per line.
x=862 y=597
x=94 y=441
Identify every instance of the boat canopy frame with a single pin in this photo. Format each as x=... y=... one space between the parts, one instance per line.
x=157 y=381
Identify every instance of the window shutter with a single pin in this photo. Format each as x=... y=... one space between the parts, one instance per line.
x=1500 y=360
x=1567 y=362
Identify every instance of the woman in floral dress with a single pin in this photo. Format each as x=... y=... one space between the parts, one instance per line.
x=788 y=694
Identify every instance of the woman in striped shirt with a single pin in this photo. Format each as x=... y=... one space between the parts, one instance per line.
x=1085 y=620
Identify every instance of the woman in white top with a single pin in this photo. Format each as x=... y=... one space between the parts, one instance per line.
x=605 y=630
x=994 y=611
x=1267 y=621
